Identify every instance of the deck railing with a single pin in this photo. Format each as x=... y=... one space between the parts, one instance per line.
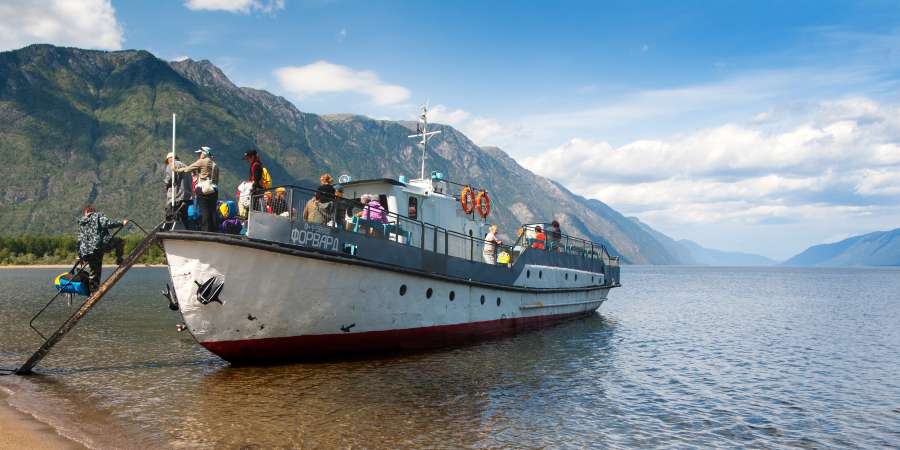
x=299 y=204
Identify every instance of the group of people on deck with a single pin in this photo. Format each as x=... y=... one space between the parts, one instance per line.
x=538 y=238
x=198 y=184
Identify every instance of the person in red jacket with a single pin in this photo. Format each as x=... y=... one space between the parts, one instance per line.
x=539 y=238
x=256 y=175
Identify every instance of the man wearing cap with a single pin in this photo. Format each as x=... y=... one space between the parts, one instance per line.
x=181 y=193
x=208 y=176
x=256 y=170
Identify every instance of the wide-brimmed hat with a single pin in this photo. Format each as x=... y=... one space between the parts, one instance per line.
x=205 y=150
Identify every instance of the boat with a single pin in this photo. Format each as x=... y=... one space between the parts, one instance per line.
x=290 y=289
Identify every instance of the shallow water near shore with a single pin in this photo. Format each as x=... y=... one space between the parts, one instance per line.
x=679 y=356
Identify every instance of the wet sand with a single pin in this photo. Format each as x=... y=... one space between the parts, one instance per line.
x=19 y=430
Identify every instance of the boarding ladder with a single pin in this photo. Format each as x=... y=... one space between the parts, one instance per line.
x=92 y=300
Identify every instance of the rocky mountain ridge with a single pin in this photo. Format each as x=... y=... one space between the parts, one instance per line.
x=79 y=126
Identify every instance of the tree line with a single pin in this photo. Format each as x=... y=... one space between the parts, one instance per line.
x=36 y=249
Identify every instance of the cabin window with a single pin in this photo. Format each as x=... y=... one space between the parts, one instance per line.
x=498 y=301
x=403 y=289
x=413 y=208
x=482 y=299
x=428 y=293
x=382 y=198
x=452 y=295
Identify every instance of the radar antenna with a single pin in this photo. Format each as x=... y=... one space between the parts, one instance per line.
x=422 y=132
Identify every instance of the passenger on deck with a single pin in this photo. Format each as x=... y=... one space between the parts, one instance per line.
x=279 y=203
x=555 y=236
x=94 y=240
x=265 y=203
x=489 y=252
x=372 y=209
x=539 y=238
x=256 y=171
x=325 y=184
x=208 y=180
x=181 y=193
x=319 y=208
x=342 y=207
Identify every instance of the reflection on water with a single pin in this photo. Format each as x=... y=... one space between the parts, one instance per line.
x=679 y=356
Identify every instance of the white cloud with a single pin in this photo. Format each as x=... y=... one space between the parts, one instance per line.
x=235 y=6
x=481 y=130
x=77 y=23
x=325 y=77
x=833 y=164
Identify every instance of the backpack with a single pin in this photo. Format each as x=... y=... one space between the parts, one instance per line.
x=266 y=181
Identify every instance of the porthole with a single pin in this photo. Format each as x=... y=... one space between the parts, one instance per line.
x=498 y=301
x=540 y=274
x=482 y=299
x=527 y=274
x=428 y=293
x=452 y=295
x=403 y=289
x=567 y=276
x=576 y=277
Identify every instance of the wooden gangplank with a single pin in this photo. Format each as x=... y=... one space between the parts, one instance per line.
x=92 y=300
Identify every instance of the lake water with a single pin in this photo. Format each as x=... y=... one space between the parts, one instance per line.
x=678 y=357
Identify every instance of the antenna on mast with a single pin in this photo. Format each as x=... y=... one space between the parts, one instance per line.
x=422 y=132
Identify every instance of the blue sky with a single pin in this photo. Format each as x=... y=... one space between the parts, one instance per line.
x=754 y=126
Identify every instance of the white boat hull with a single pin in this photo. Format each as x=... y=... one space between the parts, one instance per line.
x=275 y=305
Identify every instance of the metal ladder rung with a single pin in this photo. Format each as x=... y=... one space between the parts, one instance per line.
x=107 y=284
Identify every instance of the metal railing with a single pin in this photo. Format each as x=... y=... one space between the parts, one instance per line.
x=299 y=204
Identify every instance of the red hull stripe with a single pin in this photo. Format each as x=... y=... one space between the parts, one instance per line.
x=295 y=347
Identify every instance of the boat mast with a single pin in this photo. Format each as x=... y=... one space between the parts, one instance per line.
x=424 y=134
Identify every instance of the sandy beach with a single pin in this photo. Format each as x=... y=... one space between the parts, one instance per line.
x=19 y=430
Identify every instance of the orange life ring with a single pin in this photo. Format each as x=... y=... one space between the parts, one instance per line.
x=467 y=200
x=483 y=204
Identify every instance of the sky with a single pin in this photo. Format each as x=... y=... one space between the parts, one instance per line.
x=763 y=127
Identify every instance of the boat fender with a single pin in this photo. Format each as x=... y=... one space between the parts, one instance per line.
x=467 y=200
x=483 y=204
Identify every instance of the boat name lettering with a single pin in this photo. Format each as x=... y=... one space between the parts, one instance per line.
x=314 y=236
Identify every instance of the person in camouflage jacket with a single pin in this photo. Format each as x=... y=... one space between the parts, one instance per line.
x=94 y=239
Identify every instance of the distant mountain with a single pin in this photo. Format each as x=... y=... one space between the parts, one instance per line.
x=687 y=252
x=881 y=248
x=711 y=257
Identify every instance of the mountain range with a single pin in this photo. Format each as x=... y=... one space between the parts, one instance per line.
x=86 y=126
x=881 y=248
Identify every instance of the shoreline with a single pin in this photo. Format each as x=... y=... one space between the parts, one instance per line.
x=21 y=430
x=69 y=266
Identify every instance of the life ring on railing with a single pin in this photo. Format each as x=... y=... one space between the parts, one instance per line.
x=467 y=200
x=483 y=204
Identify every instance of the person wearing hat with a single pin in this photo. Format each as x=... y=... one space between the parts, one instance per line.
x=256 y=170
x=207 y=189
x=181 y=192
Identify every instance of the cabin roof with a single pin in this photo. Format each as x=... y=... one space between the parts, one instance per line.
x=374 y=181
